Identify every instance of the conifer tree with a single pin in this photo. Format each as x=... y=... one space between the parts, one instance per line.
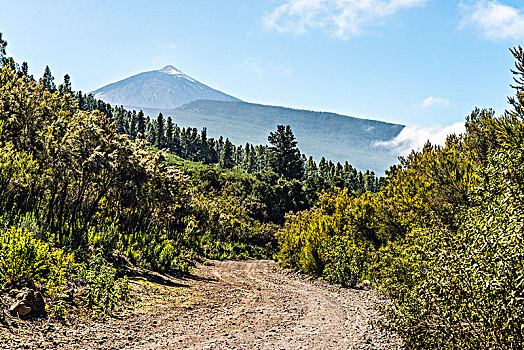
x=284 y=157
x=140 y=123
x=160 y=138
x=3 y=45
x=204 y=146
x=169 y=133
x=48 y=80
x=65 y=87
x=25 y=69
x=323 y=170
x=311 y=168
x=226 y=156
x=133 y=123
x=249 y=158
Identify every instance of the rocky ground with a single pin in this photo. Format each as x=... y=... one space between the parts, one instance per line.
x=227 y=305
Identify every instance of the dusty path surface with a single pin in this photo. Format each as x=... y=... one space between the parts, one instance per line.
x=229 y=305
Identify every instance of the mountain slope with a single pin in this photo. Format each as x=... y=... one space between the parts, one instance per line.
x=164 y=88
x=320 y=134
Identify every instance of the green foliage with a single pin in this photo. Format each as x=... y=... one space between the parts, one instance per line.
x=25 y=257
x=456 y=278
x=284 y=157
x=333 y=241
x=22 y=256
x=3 y=45
x=226 y=156
x=104 y=290
x=346 y=260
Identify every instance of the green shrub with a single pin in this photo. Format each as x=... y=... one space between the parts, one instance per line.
x=104 y=289
x=464 y=289
x=346 y=260
x=333 y=241
x=22 y=256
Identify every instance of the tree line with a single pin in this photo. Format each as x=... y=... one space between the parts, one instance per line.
x=194 y=145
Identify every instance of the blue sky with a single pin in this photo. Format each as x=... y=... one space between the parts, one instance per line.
x=416 y=62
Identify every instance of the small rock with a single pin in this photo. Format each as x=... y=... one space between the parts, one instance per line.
x=19 y=309
x=365 y=284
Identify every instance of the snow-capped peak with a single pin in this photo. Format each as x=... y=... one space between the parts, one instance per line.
x=173 y=71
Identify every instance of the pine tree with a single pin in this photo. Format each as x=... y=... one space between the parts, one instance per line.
x=66 y=88
x=151 y=133
x=160 y=137
x=284 y=157
x=323 y=170
x=249 y=158
x=311 y=168
x=81 y=100
x=226 y=156
x=176 y=141
x=48 y=80
x=140 y=124
x=219 y=145
x=3 y=45
x=204 y=146
x=133 y=123
x=239 y=154
x=169 y=133
x=25 y=69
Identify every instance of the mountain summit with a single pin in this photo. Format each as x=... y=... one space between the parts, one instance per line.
x=164 y=88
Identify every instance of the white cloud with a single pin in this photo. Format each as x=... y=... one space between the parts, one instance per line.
x=434 y=101
x=341 y=18
x=414 y=137
x=260 y=67
x=493 y=20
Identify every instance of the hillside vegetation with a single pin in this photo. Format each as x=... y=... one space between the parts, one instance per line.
x=320 y=134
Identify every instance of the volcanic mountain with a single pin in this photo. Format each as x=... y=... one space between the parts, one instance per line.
x=164 y=88
x=193 y=104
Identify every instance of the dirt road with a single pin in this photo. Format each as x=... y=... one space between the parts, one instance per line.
x=229 y=305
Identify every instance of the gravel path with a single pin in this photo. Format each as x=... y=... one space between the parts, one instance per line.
x=229 y=305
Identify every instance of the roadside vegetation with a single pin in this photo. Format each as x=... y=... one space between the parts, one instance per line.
x=443 y=238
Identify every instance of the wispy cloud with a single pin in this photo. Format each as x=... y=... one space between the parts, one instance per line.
x=414 y=137
x=434 y=101
x=493 y=20
x=260 y=67
x=341 y=18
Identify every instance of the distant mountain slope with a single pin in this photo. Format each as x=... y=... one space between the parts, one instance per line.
x=164 y=88
x=320 y=134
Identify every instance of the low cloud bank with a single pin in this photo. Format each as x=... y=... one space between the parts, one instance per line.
x=414 y=137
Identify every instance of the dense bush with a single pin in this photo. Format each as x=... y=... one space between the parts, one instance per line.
x=25 y=257
x=332 y=241
x=104 y=291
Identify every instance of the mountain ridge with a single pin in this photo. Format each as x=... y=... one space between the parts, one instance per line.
x=334 y=136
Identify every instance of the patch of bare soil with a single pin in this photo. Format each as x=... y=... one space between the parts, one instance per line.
x=229 y=305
